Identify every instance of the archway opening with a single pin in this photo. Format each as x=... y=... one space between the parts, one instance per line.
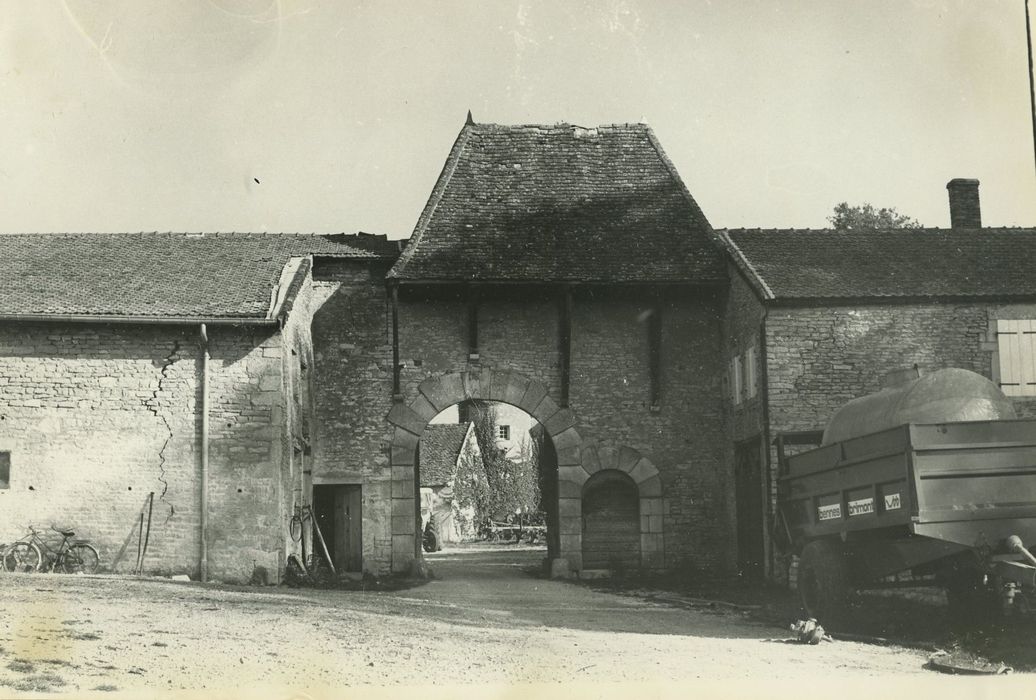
x=611 y=522
x=487 y=479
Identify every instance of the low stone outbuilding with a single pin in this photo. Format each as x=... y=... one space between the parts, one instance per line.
x=815 y=318
x=177 y=365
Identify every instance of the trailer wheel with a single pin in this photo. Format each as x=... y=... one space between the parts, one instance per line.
x=824 y=582
x=970 y=599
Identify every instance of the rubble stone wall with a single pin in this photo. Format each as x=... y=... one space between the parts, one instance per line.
x=97 y=416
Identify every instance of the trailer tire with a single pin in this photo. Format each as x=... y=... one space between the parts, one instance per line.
x=823 y=582
x=970 y=600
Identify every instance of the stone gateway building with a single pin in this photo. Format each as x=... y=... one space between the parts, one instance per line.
x=563 y=270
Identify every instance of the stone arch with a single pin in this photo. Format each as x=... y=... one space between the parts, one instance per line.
x=437 y=393
x=596 y=458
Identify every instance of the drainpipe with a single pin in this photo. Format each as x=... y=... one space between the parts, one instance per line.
x=204 y=453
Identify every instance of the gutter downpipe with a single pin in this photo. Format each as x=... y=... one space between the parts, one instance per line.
x=204 y=564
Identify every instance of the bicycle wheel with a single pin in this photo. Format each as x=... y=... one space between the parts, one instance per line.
x=295 y=528
x=22 y=556
x=80 y=558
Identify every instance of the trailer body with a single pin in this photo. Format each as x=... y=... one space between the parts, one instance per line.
x=914 y=494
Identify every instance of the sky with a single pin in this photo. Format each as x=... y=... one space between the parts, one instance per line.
x=336 y=116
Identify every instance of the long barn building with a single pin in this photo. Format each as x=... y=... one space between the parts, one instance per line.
x=214 y=384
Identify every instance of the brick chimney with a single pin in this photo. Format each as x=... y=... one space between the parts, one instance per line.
x=964 y=205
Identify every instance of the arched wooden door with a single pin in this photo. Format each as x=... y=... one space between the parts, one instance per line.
x=611 y=521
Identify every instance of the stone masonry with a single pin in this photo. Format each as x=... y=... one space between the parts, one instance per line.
x=97 y=416
x=676 y=452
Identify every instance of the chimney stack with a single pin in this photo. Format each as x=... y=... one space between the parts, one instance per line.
x=964 y=205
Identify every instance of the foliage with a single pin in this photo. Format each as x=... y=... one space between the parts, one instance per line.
x=490 y=483
x=865 y=216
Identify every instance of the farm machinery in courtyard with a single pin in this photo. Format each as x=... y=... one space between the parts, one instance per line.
x=930 y=482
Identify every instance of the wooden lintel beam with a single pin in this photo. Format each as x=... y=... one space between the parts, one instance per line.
x=472 y=294
x=655 y=349
x=394 y=299
x=565 y=341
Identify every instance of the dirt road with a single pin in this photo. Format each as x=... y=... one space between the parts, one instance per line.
x=486 y=620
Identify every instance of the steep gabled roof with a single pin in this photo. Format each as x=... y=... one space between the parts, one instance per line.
x=806 y=264
x=161 y=275
x=440 y=448
x=560 y=203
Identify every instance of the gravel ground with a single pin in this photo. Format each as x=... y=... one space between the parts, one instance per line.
x=485 y=620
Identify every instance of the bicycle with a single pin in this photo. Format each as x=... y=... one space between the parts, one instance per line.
x=315 y=570
x=31 y=552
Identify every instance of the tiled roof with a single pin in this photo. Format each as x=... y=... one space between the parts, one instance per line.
x=160 y=274
x=560 y=203
x=827 y=264
x=439 y=449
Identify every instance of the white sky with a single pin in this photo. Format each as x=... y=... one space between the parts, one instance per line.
x=125 y=115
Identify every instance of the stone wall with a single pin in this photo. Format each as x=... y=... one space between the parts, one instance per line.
x=352 y=392
x=685 y=436
x=611 y=409
x=820 y=358
x=743 y=323
x=96 y=417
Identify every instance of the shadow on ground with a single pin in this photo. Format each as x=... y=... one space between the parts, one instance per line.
x=907 y=617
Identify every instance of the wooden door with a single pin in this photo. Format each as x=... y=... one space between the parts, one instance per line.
x=348 y=528
x=611 y=522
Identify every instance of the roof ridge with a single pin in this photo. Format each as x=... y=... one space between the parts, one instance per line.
x=559 y=126
x=894 y=231
x=359 y=235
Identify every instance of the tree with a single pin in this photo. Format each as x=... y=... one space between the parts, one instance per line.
x=493 y=485
x=866 y=217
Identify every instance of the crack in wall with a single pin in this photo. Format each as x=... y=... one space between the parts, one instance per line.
x=152 y=405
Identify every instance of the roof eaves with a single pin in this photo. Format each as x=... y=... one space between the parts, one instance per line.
x=438 y=190
x=807 y=300
x=138 y=319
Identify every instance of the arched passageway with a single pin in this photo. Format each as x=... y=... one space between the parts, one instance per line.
x=576 y=463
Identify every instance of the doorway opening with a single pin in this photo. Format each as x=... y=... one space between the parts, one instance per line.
x=338 y=510
x=611 y=522
x=748 y=489
x=487 y=479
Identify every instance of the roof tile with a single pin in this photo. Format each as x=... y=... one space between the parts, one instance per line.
x=440 y=448
x=560 y=203
x=159 y=274
x=917 y=263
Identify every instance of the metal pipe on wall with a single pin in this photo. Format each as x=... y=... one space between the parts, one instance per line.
x=204 y=564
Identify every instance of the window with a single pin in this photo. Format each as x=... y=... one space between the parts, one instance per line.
x=5 y=470
x=1016 y=342
x=751 y=383
x=735 y=379
x=503 y=432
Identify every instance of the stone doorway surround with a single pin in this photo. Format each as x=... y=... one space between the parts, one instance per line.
x=576 y=462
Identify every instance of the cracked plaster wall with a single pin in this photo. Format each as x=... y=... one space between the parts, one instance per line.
x=96 y=417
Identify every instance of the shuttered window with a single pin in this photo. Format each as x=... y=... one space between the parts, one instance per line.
x=735 y=379
x=1016 y=342
x=751 y=383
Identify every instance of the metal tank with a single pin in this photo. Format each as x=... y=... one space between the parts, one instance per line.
x=944 y=396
